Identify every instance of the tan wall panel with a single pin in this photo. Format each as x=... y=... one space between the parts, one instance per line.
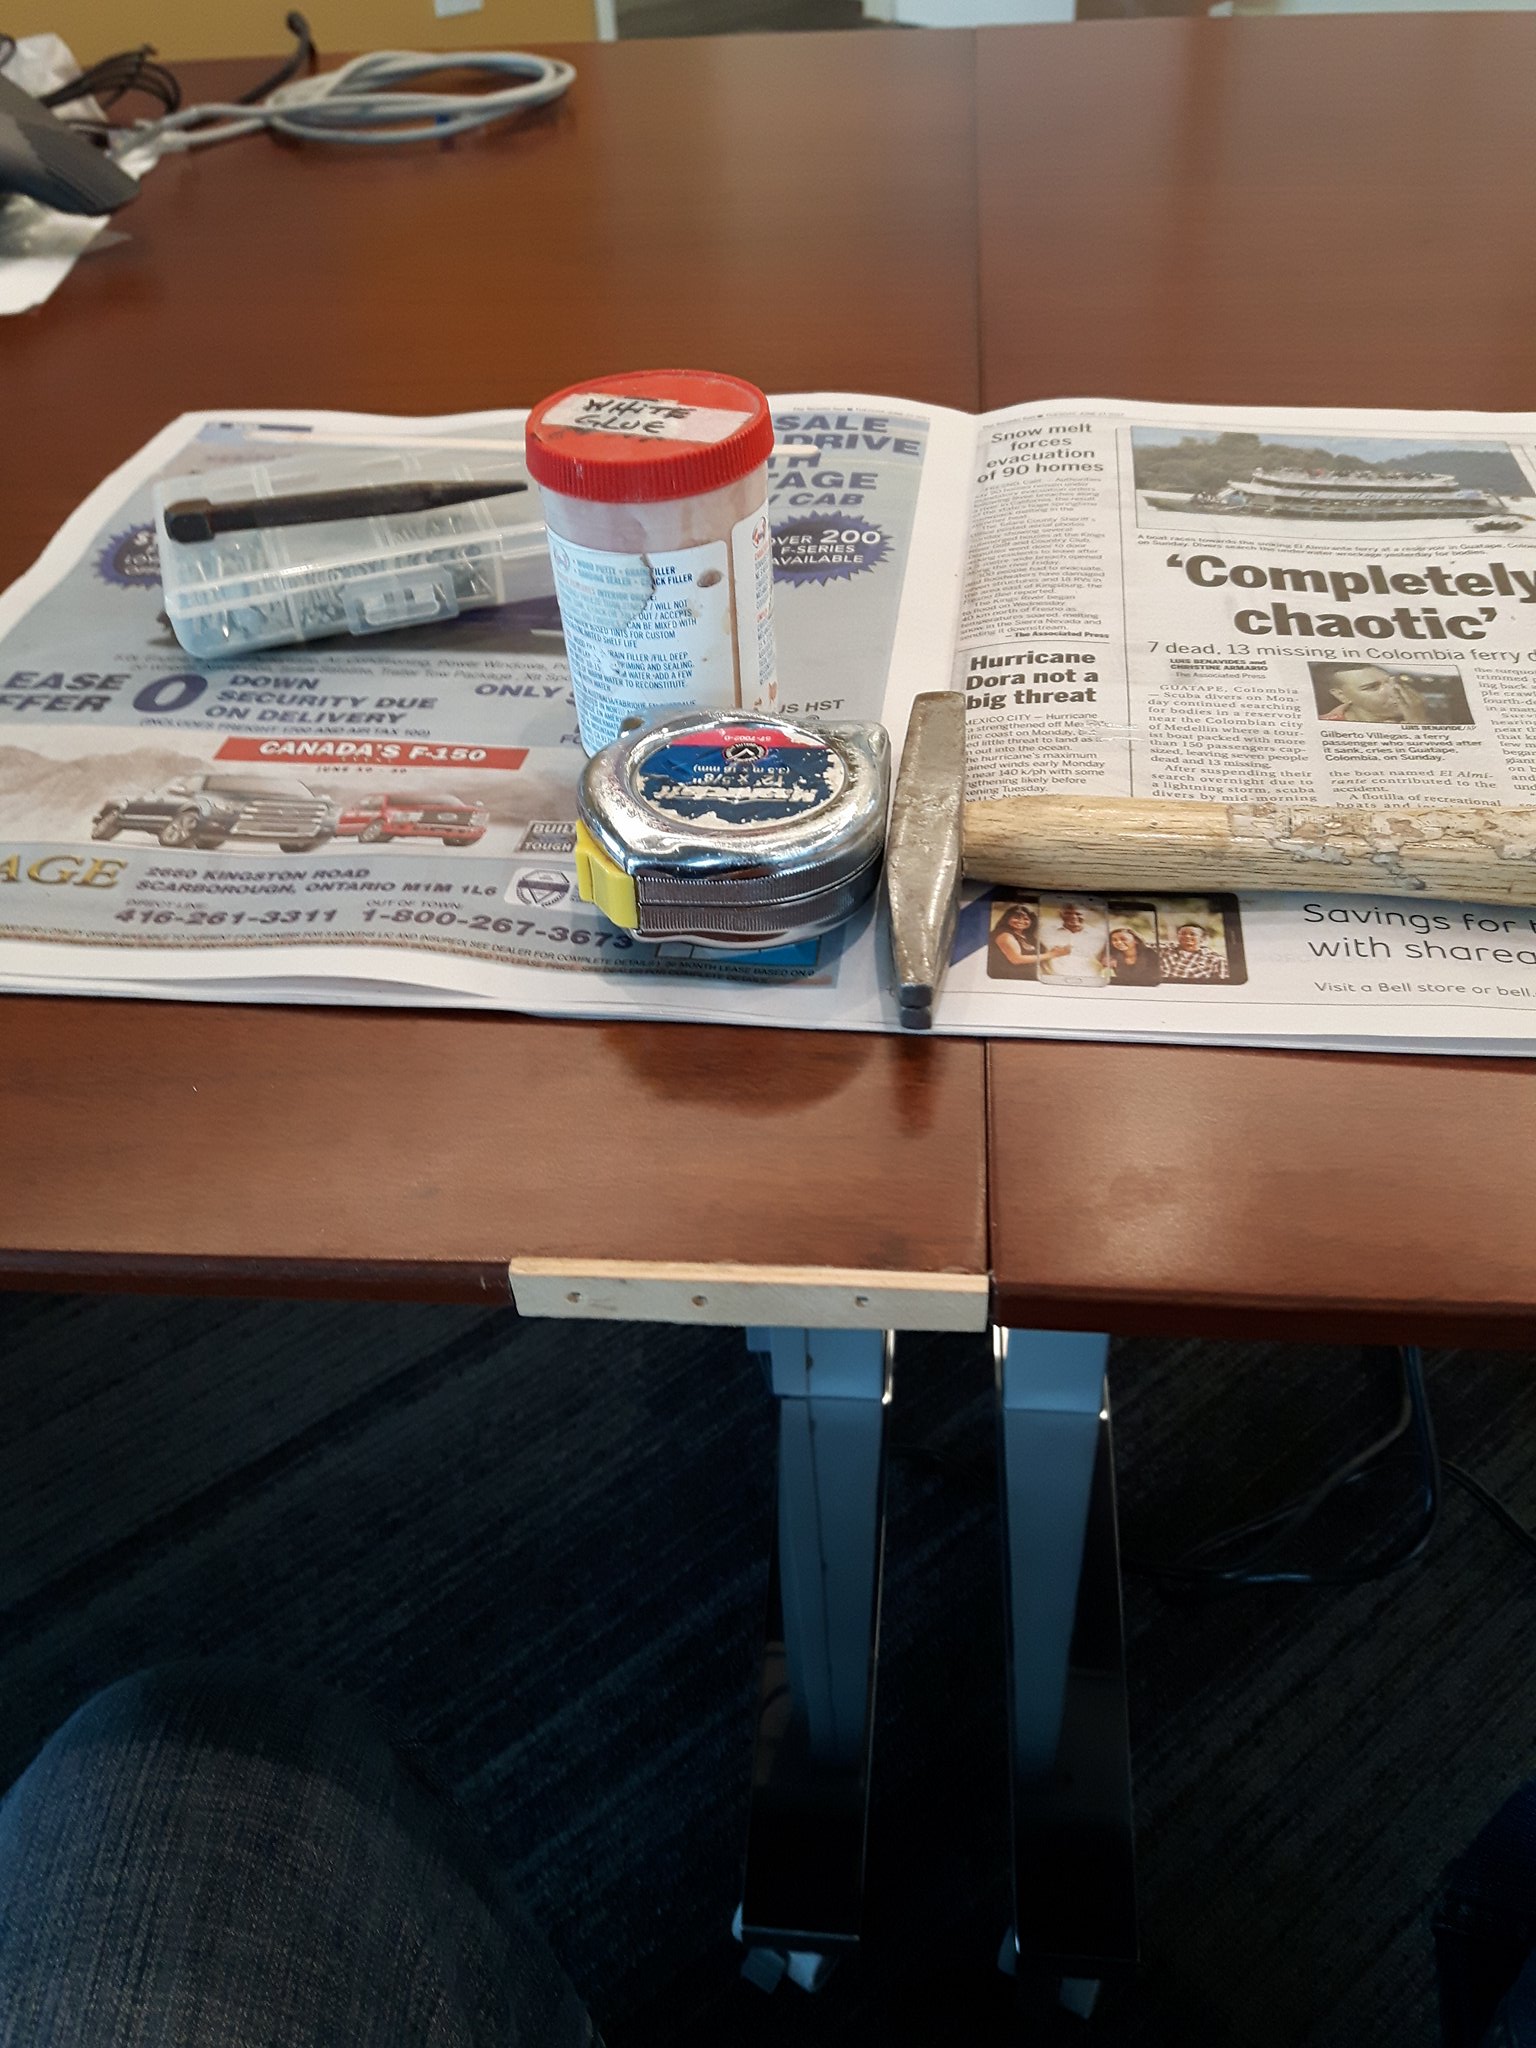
x=241 y=28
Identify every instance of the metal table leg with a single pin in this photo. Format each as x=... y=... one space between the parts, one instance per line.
x=805 y=1845
x=1073 y=1828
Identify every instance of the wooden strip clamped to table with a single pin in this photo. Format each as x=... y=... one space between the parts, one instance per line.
x=802 y=1297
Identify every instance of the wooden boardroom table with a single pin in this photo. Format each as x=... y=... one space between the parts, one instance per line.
x=1268 y=217
x=1320 y=211
x=779 y=209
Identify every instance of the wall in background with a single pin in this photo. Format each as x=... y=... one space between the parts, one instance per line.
x=245 y=28
x=971 y=13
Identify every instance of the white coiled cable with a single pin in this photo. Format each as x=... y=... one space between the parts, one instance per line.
x=361 y=102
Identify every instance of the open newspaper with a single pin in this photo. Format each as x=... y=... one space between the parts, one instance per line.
x=1134 y=599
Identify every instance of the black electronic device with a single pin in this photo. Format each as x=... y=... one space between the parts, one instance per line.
x=48 y=160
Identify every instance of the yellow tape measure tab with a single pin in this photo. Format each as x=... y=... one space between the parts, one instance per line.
x=602 y=881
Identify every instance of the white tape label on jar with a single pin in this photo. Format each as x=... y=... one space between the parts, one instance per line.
x=752 y=577
x=648 y=419
x=644 y=633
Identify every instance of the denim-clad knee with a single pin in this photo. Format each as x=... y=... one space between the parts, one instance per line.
x=207 y=1853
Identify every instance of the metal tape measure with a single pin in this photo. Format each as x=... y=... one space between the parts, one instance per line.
x=733 y=831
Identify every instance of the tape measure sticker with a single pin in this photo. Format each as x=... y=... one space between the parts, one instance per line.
x=736 y=776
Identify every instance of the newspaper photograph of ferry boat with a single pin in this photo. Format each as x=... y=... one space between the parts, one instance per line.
x=1478 y=487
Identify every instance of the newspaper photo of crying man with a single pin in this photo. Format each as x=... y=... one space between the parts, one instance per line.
x=1378 y=693
x=1200 y=940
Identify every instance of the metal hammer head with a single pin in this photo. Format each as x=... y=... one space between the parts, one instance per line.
x=923 y=852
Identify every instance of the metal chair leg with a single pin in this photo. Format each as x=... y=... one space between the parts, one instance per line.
x=1073 y=1825
x=804 y=1881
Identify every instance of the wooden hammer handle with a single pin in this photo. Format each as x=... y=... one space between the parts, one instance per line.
x=1149 y=845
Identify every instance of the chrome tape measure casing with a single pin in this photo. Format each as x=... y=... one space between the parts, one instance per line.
x=734 y=830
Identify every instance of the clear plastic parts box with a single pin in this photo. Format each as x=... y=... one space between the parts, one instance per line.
x=346 y=541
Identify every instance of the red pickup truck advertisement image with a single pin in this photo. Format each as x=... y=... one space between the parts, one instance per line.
x=380 y=815
x=235 y=795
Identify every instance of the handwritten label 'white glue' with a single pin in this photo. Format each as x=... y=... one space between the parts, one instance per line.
x=651 y=419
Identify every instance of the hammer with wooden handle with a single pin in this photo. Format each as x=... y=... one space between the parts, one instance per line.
x=1475 y=853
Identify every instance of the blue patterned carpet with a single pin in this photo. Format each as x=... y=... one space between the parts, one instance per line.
x=543 y=1548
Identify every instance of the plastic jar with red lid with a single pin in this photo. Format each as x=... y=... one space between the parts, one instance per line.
x=655 y=489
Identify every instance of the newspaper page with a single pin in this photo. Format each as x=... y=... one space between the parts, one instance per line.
x=421 y=784
x=1134 y=599
x=1307 y=607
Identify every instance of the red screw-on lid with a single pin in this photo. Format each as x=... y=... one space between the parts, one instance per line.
x=648 y=435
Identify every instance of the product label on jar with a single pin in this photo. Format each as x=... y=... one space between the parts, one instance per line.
x=752 y=572
x=734 y=775
x=652 y=419
x=644 y=633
